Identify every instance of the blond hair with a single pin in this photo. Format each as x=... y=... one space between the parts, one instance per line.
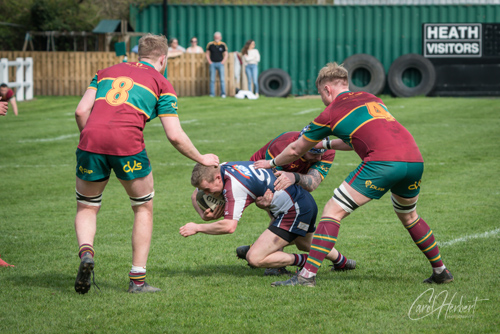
x=203 y=173
x=153 y=46
x=333 y=73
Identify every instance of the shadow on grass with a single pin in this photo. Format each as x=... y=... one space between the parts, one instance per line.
x=62 y=283
x=245 y=271
x=239 y=270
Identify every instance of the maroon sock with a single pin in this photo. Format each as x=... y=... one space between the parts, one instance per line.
x=85 y=248
x=423 y=237
x=323 y=242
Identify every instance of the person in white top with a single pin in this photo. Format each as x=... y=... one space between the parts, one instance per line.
x=194 y=48
x=251 y=56
x=175 y=49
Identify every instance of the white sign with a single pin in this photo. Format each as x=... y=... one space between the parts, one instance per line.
x=445 y=40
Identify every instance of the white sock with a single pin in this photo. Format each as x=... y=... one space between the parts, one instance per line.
x=438 y=270
x=306 y=273
x=138 y=270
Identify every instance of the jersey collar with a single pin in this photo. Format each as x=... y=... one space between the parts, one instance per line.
x=145 y=63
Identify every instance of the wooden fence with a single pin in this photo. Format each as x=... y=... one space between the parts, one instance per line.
x=69 y=73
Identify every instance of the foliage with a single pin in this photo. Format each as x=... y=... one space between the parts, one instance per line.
x=205 y=288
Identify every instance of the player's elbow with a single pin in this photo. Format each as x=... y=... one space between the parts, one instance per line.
x=231 y=227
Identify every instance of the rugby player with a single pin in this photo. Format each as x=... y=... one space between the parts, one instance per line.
x=111 y=117
x=293 y=212
x=308 y=172
x=391 y=160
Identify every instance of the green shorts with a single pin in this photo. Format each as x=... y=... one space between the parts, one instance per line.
x=374 y=178
x=97 y=167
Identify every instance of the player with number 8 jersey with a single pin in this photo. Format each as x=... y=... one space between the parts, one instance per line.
x=127 y=96
x=111 y=117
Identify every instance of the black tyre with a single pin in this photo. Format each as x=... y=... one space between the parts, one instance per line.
x=367 y=66
x=409 y=65
x=275 y=83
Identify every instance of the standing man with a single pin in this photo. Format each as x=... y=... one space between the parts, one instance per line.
x=111 y=117
x=7 y=95
x=216 y=56
x=391 y=160
x=293 y=212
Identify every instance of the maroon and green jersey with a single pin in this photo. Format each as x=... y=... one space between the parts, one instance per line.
x=278 y=144
x=128 y=95
x=7 y=96
x=363 y=122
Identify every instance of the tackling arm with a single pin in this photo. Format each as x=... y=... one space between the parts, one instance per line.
x=84 y=108
x=183 y=144
x=291 y=153
x=335 y=144
x=309 y=181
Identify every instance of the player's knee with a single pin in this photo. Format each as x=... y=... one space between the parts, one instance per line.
x=342 y=198
x=135 y=201
x=254 y=260
x=89 y=200
x=403 y=208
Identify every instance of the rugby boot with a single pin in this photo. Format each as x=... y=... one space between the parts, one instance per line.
x=82 y=283
x=297 y=280
x=241 y=252
x=349 y=265
x=277 y=272
x=134 y=288
x=444 y=277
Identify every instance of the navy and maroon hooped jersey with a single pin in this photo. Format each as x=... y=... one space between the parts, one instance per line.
x=243 y=184
x=362 y=121
x=128 y=95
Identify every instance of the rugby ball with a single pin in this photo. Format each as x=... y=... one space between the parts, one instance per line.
x=209 y=201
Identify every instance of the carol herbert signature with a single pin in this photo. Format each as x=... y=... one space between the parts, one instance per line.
x=431 y=303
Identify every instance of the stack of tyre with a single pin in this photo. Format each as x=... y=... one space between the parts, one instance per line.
x=377 y=79
x=277 y=83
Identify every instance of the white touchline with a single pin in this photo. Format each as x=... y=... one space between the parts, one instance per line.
x=48 y=139
x=306 y=111
x=468 y=237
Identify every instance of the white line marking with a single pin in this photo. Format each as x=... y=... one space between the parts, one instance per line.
x=469 y=237
x=48 y=139
x=306 y=111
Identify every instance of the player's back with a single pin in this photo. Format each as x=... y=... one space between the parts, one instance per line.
x=363 y=121
x=127 y=96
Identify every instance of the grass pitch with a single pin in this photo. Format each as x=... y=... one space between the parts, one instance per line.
x=205 y=288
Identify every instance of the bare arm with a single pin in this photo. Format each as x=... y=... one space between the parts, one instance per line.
x=336 y=144
x=183 y=144
x=225 y=57
x=309 y=181
x=207 y=55
x=291 y=153
x=14 y=104
x=84 y=108
x=225 y=226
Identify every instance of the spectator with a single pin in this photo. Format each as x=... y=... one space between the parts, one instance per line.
x=175 y=50
x=251 y=56
x=194 y=48
x=8 y=96
x=216 y=57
